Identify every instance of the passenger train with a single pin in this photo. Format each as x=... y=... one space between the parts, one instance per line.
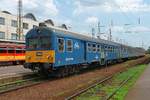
x=12 y=52
x=62 y=52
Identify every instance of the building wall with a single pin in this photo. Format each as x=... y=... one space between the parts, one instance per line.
x=8 y=29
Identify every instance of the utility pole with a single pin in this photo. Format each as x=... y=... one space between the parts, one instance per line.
x=93 y=32
x=110 y=34
x=19 y=20
x=110 y=31
x=99 y=30
x=139 y=21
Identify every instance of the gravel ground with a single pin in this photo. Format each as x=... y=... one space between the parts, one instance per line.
x=60 y=88
x=12 y=70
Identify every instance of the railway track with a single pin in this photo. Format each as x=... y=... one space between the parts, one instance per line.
x=124 y=82
x=91 y=86
x=105 y=80
x=20 y=84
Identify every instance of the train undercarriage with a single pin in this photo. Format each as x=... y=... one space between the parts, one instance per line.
x=47 y=69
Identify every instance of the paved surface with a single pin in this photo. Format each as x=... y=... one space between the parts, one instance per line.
x=12 y=70
x=141 y=90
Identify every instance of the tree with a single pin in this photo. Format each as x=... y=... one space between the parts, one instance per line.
x=148 y=50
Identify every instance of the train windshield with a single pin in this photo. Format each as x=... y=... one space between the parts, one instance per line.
x=39 y=43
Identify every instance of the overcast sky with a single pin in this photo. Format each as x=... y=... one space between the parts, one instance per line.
x=82 y=15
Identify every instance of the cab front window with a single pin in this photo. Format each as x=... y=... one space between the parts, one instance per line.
x=39 y=43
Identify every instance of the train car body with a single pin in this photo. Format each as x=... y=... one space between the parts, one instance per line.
x=53 y=48
x=12 y=53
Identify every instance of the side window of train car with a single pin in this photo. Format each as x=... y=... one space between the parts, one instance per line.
x=89 y=47
x=69 y=44
x=112 y=49
x=3 y=50
x=94 y=48
x=98 y=48
x=18 y=50
x=11 y=50
x=23 y=50
x=61 y=45
x=106 y=49
x=109 y=49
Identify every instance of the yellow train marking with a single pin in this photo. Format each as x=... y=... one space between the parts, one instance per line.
x=40 y=56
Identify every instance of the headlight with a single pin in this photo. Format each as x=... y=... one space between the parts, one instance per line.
x=28 y=57
x=48 y=57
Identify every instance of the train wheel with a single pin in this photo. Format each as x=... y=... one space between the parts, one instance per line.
x=64 y=72
x=61 y=73
x=72 y=70
x=77 y=69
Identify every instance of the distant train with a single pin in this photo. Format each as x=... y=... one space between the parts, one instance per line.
x=12 y=53
x=62 y=52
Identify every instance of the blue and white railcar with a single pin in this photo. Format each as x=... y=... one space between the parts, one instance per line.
x=52 y=48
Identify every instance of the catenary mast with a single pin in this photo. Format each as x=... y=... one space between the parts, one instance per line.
x=19 y=20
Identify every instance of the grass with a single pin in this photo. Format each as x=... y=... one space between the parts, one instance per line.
x=101 y=91
x=124 y=90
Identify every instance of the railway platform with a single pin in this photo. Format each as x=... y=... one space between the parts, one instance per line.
x=141 y=89
x=7 y=71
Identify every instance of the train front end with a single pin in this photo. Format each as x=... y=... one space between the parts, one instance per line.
x=40 y=55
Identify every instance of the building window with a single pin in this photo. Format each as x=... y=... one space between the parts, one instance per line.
x=2 y=35
x=2 y=21
x=61 y=45
x=14 y=36
x=14 y=23
x=25 y=25
x=69 y=45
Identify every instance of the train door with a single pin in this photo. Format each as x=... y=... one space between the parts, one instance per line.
x=11 y=53
x=118 y=52
x=3 y=51
x=85 y=51
x=120 y=55
x=103 y=56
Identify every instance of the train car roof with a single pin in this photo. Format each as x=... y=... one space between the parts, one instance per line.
x=11 y=45
x=12 y=41
x=63 y=32
x=60 y=31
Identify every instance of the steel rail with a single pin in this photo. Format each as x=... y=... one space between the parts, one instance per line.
x=124 y=82
x=100 y=82
x=91 y=86
x=14 y=85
